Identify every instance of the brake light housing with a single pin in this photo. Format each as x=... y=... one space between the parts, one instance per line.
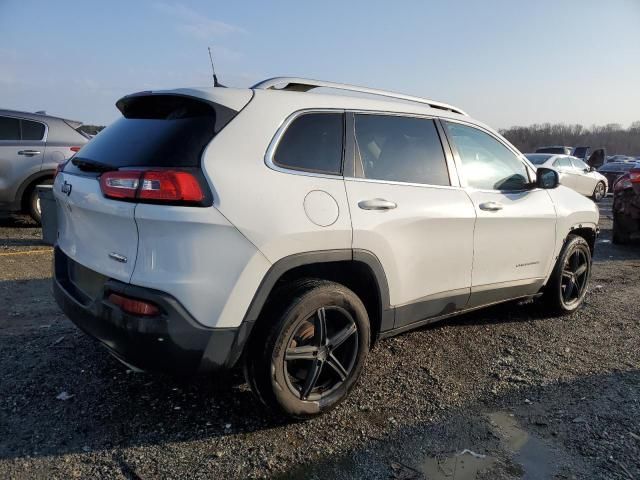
x=175 y=187
x=134 y=306
x=634 y=175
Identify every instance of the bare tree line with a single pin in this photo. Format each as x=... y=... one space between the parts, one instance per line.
x=613 y=137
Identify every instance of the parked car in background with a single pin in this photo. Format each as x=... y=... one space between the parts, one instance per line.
x=626 y=207
x=286 y=231
x=556 y=149
x=32 y=145
x=620 y=158
x=615 y=170
x=574 y=173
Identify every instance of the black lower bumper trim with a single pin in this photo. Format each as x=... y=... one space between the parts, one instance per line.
x=171 y=342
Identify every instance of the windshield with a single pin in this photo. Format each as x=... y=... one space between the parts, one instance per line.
x=538 y=158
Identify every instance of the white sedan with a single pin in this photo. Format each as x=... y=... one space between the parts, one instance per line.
x=574 y=173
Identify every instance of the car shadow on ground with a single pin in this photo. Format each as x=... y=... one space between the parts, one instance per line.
x=62 y=393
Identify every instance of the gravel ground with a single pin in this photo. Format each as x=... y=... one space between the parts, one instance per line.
x=498 y=394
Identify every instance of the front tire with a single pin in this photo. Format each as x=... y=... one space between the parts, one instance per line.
x=599 y=192
x=309 y=348
x=567 y=286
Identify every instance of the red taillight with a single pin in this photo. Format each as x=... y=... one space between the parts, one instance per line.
x=622 y=183
x=75 y=149
x=134 y=306
x=120 y=185
x=168 y=186
x=634 y=175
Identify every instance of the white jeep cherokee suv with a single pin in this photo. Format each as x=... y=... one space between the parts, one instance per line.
x=286 y=231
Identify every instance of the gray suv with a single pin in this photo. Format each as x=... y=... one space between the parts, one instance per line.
x=32 y=145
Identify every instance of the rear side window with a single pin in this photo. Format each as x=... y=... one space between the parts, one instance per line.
x=562 y=162
x=400 y=149
x=486 y=163
x=32 y=130
x=312 y=143
x=157 y=131
x=9 y=128
x=579 y=164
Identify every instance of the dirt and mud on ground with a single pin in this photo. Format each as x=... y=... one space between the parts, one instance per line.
x=498 y=394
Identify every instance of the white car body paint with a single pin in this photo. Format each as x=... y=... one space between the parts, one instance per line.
x=436 y=242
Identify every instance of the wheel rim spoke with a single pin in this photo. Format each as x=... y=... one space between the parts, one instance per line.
x=575 y=259
x=342 y=336
x=337 y=367
x=312 y=379
x=569 y=289
x=581 y=270
x=304 y=352
x=320 y=323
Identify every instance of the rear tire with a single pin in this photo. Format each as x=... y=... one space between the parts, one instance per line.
x=599 y=192
x=309 y=348
x=33 y=202
x=567 y=286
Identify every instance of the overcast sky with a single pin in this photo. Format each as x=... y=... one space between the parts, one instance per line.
x=505 y=62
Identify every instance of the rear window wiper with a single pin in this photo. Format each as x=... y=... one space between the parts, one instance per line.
x=91 y=165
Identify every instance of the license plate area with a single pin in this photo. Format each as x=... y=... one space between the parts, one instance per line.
x=87 y=282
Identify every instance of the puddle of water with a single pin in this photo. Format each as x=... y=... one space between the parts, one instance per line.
x=535 y=457
x=464 y=466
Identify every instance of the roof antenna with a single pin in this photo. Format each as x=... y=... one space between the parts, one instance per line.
x=213 y=70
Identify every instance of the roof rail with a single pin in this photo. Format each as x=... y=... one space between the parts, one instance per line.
x=295 y=84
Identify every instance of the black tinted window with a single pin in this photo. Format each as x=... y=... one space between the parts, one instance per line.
x=159 y=131
x=486 y=162
x=32 y=130
x=313 y=142
x=401 y=149
x=9 y=128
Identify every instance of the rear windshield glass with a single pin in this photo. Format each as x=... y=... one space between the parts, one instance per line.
x=157 y=131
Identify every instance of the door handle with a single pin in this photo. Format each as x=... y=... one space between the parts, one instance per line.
x=376 y=204
x=491 y=206
x=29 y=153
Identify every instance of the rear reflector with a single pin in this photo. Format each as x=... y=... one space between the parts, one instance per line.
x=75 y=149
x=634 y=175
x=163 y=186
x=134 y=306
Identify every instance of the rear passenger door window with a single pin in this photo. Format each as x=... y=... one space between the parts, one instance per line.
x=9 y=129
x=312 y=143
x=487 y=163
x=399 y=149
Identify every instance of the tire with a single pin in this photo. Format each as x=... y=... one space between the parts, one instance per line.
x=281 y=366
x=572 y=268
x=33 y=202
x=619 y=236
x=599 y=192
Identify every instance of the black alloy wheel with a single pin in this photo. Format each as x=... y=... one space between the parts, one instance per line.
x=321 y=353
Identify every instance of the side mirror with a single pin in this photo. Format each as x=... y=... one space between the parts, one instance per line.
x=547 y=178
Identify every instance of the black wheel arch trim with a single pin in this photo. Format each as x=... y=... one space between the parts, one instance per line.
x=18 y=202
x=286 y=264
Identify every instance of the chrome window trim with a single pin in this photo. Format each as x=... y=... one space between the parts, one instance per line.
x=44 y=137
x=275 y=141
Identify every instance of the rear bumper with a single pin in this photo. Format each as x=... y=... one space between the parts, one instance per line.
x=171 y=342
